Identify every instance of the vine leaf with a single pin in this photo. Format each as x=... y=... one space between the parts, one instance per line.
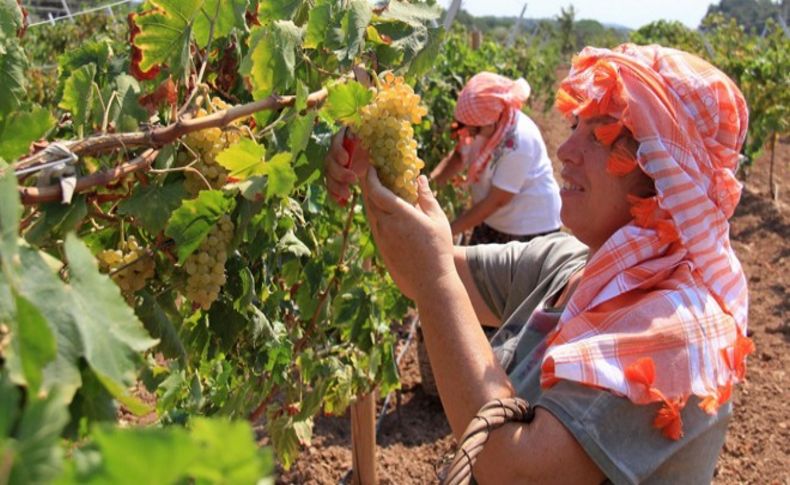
x=127 y=114
x=152 y=205
x=272 y=57
x=351 y=33
x=166 y=31
x=278 y=9
x=78 y=94
x=11 y=19
x=281 y=177
x=32 y=344
x=36 y=451
x=414 y=14
x=299 y=134
x=318 y=24
x=344 y=101
x=289 y=243
x=243 y=159
x=22 y=128
x=212 y=451
x=10 y=212
x=13 y=65
x=192 y=221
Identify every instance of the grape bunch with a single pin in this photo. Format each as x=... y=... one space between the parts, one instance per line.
x=386 y=132
x=207 y=144
x=132 y=263
x=206 y=266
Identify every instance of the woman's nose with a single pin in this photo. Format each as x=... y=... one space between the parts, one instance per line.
x=568 y=151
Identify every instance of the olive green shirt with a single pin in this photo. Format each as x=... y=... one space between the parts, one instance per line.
x=518 y=281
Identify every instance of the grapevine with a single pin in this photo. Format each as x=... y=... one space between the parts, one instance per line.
x=386 y=132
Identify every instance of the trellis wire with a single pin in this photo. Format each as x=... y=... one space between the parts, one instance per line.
x=72 y=15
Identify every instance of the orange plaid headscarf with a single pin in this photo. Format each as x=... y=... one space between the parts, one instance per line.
x=486 y=99
x=660 y=313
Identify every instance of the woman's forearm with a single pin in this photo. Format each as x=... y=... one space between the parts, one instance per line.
x=447 y=168
x=466 y=371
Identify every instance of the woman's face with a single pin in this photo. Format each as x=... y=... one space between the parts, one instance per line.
x=594 y=202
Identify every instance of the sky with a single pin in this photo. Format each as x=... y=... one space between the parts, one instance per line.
x=629 y=13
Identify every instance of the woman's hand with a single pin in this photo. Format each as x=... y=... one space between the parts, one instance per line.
x=414 y=241
x=342 y=168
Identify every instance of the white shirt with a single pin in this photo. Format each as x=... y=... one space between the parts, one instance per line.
x=521 y=165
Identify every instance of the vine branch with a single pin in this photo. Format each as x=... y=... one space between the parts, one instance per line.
x=164 y=135
x=52 y=193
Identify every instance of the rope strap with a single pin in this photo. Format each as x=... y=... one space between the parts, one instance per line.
x=490 y=417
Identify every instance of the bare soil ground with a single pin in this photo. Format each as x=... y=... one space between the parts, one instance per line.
x=415 y=435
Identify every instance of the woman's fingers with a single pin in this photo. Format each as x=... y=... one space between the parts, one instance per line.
x=380 y=196
x=426 y=200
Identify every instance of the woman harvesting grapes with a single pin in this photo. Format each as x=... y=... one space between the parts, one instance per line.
x=626 y=337
x=514 y=194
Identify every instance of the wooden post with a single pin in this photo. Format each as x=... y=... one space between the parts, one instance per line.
x=363 y=440
x=476 y=39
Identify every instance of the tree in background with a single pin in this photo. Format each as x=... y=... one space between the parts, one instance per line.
x=751 y=14
x=565 y=26
x=669 y=33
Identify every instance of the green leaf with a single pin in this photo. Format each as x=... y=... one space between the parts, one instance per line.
x=78 y=95
x=272 y=57
x=152 y=205
x=291 y=244
x=269 y=10
x=127 y=113
x=299 y=134
x=426 y=57
x=302 y=93
x=32 y=344
x=38 y=454
x=22 y=128
x=414 y=14
x=284 y=439
x=227 y=452
x=11 y=18
x=97 y=52
x=166 y=29
x=318 y=24
x=57 y=220
x=212 y=451
x=10 y=212
x=190 y=223
x=165 y=32
x=226 y=16
x=160 y=325
x=243 y=159
x=13 y=65
x=351 y=33
x=109 y=349
x=344 y=101
x=144 y=455
x=9 y=406
x=280 y=176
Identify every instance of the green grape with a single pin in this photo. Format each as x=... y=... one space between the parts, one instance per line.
x=205 y=267
x=386 y=132
x=207 y=144
x=129 y=264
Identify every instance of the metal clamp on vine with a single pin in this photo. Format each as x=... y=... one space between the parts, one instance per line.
x=490 y=417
